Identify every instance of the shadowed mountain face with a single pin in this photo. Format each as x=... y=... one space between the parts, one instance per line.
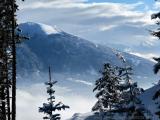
x=69 y=54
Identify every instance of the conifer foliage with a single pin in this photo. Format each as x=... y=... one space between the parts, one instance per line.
x=156 y=69
x=128 y=88
x=130 y=91
x=50 y=107
x=107 y=89
x=118 y=94
x=8 y=40
x=108 y=94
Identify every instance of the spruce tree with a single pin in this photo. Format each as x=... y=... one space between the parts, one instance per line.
x=156 y=69
x=131 y=104
x=8 y=40
x=117 y=93
x=107 y=90
x=50 y=107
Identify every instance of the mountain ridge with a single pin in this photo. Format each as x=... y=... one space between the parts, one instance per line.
x=67 y=53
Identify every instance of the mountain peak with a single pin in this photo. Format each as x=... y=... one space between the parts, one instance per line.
x=39 y=28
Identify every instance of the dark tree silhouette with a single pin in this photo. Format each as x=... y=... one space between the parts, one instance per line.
x=8 y=39
x=156 y=69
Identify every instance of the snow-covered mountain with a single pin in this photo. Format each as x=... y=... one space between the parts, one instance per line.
x=69 y=54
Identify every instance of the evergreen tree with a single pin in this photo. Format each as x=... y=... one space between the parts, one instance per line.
x=130 y=103
x=156 y=69
x=50 y=107
x=117 y=93
x=107 y=89
x=156 y=96
x=8 y=40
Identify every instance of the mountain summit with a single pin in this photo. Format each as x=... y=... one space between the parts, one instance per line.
x=38 y=28
x=70 y=54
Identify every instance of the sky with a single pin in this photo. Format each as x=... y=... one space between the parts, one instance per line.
x=122 y=1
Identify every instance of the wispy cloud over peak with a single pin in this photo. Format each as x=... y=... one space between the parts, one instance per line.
x=94 y=21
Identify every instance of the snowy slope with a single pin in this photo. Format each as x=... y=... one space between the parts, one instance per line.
x=95 y=116
x=86 y=116
x=145 y=97
x=147 y=100
x=70 y=54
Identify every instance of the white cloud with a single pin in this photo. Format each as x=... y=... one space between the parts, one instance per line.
x=105 y=28
x=48 y=3
x=80 y=81
x=157 y=5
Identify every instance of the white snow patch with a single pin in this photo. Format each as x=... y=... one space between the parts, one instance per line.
x=41 y=28
x=96 y=116
x=79 y=116
x=49 y=29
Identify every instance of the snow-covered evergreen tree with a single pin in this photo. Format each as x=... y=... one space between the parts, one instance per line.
x=107 y=89
x=118 y=94
x=156 y=33
x=156 y=96
x=131 y=104
x=50 y=107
